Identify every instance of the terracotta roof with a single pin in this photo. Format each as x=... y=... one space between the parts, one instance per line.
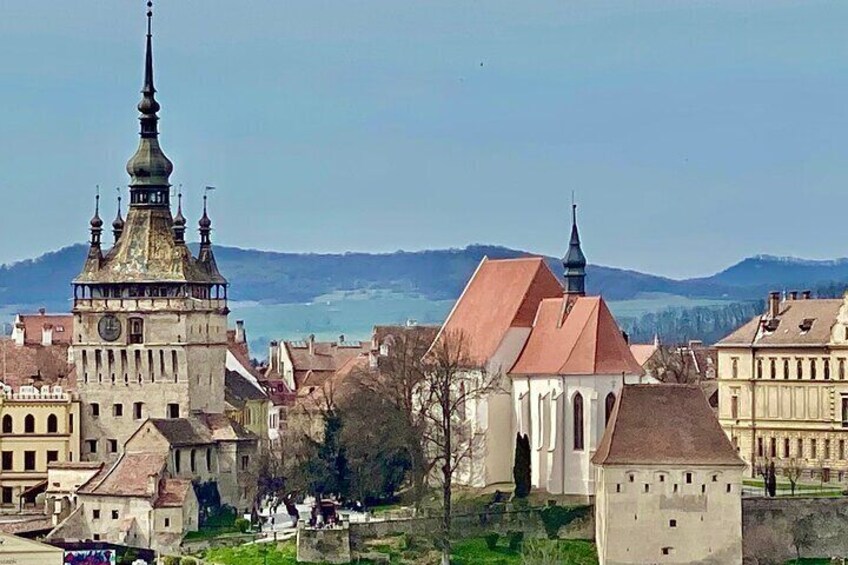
x=501 y=294
x=224 y=429
x=20 y=363
x=62 y=324
x=81 y=465
x=664 y=424
x=241 y=352
x=792 y=313
x=30 y=524
x=172 y=492
x=643 y=351
x=278 y=392
x=584 y=341
x=238 y=390
x=129 y=476
x=182 y=431
x=385 y=335
x=324 y=360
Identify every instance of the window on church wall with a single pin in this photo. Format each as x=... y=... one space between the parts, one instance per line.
x=191 y=461
x=799 y=369
x=734 y=407
x=813 y=449
x=174 y=363
x=841 y=449
x=95 y=410
x=734 y=367
x=162 y=362
x=786 y=448
x=609 y=403
x=759 y=368
x=772 y=447
x=177 y=460
x=173 y=410
x=799 y=448
x=151 y=368
x=136 y=330
x=773 y=368
x=826 y=369
x=578 y=421
x=827 y=449
x=812 y=369
x=208 y=459
x=759 y=447
x=52 y=424
x=7 y=424
x=786 y=368
x=29 y=424
x=841 y=369
x=138 y=409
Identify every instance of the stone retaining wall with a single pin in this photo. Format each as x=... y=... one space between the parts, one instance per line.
x=770 y=526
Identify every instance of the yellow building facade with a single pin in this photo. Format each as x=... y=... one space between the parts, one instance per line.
x=783 y=387
x=38 y=426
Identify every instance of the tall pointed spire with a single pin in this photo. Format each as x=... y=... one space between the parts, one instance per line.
x=149 y=168
x=574 y=261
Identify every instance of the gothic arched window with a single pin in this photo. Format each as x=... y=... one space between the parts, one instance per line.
x=52 y=424
x=608 y=406
x=578 y=421
x=29 y=424
x=7 y=424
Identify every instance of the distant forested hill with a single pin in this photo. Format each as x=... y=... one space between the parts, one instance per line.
x=712 y=305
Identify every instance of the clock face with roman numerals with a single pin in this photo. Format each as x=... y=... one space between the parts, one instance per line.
x=109 y=327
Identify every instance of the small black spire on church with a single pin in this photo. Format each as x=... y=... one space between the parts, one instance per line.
x=205 y=227
x=574 y=261
x=118 y=223
x=179 y=220
x=96 y=223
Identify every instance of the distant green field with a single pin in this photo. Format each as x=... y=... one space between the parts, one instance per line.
x=354 y=313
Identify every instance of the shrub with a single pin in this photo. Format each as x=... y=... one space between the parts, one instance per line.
x=188 y=561
x=242 y=525
x=555 y=517
x=491 y=540
x=515 y=540
x=171 y=560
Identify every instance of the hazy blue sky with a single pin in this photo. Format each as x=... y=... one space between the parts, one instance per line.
x=695 y=133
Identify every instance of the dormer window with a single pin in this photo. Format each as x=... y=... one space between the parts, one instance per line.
x=806 y=324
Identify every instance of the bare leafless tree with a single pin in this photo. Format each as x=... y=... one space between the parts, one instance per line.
x=453 y=382
x=673 y=364
x=792 y=471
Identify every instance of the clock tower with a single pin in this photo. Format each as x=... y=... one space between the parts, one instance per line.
x=150 y=318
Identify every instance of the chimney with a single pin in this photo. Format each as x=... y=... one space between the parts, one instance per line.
x=19 y=331
x=274 y=356
x=47 y=334
x=806 y=294
x=311 y=344
x=341 y=339
x=42 y=310
x=773 y=305
x=793 y=295
x=240 y=335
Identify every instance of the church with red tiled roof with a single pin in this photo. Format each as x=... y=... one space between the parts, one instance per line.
x=564 y=360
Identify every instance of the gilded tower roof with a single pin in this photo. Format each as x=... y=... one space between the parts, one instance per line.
x=147 y=247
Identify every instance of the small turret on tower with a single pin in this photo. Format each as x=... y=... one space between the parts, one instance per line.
x=118 y=223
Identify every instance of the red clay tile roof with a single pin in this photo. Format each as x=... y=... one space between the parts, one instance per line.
x=30 y=524
x=586 y=341
x=182 y=432
x=224 y=429
x=172 y=492
x=643 y=351
x=20 y=363
x=664 y=424
x=128 y=476
x=501 y=294
x=323 y=362
x=62 y=324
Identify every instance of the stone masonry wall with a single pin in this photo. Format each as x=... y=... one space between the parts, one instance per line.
x=769 y=526
x=329 y=545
